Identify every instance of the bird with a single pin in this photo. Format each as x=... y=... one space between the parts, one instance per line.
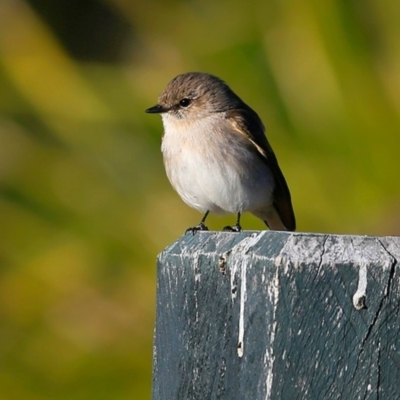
x=216 y=154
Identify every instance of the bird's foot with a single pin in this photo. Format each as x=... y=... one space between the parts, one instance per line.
x=194 y=229
x=234 y=228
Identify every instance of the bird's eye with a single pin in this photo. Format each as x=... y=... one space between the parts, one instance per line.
x=185 y=102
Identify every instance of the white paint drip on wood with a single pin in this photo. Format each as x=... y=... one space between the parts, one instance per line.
x=361 y=293
x=241 y=265
x=269 y=357
x=243 y=296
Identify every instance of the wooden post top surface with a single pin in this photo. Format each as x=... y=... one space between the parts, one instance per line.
x=277 y=315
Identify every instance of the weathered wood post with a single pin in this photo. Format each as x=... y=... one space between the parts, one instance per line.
x=275 y=315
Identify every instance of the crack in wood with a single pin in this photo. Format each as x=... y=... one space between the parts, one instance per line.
x=380 y=306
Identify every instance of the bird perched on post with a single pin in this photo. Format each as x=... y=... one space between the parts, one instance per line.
x=217 y=156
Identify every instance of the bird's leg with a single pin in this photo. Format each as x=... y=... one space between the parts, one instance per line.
x=237 y=227
x=234 y=228
x=200 y=226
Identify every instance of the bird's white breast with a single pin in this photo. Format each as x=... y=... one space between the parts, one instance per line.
x=214 y=168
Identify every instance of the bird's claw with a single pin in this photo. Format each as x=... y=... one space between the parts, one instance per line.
x=234 y=228
x=194 y=229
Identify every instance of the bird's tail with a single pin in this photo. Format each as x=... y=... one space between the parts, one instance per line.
x=275 y=223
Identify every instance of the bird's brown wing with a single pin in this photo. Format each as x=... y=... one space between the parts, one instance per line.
x=246 y=122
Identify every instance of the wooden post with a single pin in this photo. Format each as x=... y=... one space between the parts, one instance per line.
x=276 y=315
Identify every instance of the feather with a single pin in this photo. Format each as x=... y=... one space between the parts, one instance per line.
x=246 y=122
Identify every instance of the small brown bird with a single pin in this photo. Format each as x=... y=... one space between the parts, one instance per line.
x=217 y=156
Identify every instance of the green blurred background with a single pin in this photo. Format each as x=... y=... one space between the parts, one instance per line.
x=84 y=202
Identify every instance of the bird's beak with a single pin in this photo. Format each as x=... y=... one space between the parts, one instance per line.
x=157 y=109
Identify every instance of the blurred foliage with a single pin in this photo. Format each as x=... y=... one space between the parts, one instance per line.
x=84 y=202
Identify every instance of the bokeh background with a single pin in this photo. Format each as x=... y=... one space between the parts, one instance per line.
x=85 y=206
